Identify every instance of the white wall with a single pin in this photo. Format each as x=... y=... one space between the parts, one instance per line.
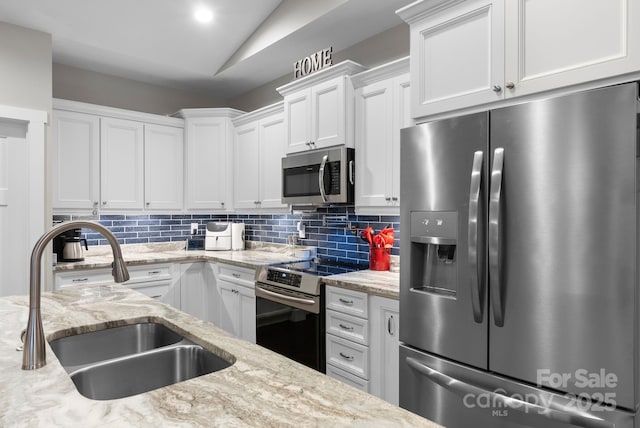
x=71 y=83
x=379 y=49
x=25 y=68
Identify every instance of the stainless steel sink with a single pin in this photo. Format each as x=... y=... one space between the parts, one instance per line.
x=124 y=361
x=86 y=348
x=139 y=373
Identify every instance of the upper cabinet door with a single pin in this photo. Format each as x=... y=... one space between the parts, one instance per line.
x=121 y=163
x=163 y=157
x=271 y=154
x=207 y=163
x=402 y=118
x=374 y=144
x=328 y=113
x=297 y=110
x=247 y=166
x=457 y=57
x=551 y=44
x=76 y=161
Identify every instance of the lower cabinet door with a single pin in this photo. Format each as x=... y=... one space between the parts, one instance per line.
x=348 y=378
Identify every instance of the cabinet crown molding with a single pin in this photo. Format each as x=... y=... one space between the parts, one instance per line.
x=224 y=112
x=381 y=72
x=259 y=113
x=422 y=8
x=344 y=68
x=117 y=113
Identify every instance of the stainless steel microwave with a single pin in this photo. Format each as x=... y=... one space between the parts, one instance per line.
x=323 y=176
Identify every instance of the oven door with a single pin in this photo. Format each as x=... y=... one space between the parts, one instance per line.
x=291 y=324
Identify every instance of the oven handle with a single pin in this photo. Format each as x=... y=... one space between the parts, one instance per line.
x=282 y=296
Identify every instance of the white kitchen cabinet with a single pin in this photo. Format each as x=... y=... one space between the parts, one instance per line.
x=466 y=54
x=347 y=338
x=208 y=158
x=121 y=164
x=163 y=167
x=381 y=111
x=237 y=303
x=158 y=281
x=75 y=167
x=457 y=54
x=194 y=299
x=259 y=148
x=551 y=44
x=318 y=109
x=385 y=322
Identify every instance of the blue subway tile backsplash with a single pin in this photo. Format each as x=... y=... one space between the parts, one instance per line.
x=333 y=240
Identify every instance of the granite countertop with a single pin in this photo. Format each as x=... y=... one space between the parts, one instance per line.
x=138 y=254
x=261 y=388
x=380 y=283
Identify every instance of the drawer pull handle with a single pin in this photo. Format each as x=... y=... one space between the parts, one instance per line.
x=157 y=296
x=80 y=280
x=346 y=357
x=235 y=275
x=346 y=302
x=154 y=272
x=345 y=327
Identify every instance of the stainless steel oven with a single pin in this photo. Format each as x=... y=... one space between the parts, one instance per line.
x=323 y=176
x=290 y=309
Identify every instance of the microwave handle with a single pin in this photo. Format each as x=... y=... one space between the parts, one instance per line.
x=351 y=172
x=323 y=164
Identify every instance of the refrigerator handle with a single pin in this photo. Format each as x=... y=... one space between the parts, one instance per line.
x=475 y=266
x=494 y=237
x=570 y=415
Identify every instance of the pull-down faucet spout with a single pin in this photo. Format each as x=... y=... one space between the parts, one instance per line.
x=33 y=355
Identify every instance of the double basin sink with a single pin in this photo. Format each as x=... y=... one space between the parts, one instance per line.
x=128 y=360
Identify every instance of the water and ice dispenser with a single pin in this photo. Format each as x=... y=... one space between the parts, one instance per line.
x=434 y=252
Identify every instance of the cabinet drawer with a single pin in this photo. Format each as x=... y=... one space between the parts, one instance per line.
x=83 y=277
x=348 y=327
x=348 y=378
x=347 y=301
x=348 y=356
x=152 y=290
x=237 y=275
x=149 y=273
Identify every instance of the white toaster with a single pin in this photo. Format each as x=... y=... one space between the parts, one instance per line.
x=218 y=236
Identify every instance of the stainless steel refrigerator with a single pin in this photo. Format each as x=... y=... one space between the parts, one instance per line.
x=519 y=272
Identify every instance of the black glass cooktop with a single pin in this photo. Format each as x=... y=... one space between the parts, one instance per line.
x=322 y=267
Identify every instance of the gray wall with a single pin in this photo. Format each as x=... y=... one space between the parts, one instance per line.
x=25 y=68
x=71 y=83
x=379 y=49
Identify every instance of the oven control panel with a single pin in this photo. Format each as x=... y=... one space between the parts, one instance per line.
x=287 y=278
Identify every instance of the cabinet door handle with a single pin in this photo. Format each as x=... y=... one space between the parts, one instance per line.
x=387 y=199
x=390 y=326
x=345 y=327
x=497 y=88
x=80 y=280
x=104 y=202
x=235 y=275
x=346 y=357
x=346 y=302
x=509 y=85
x=395 y=198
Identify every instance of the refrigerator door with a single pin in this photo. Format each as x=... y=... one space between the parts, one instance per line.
x=456 y=396
x=443 y=296
x=562 y=243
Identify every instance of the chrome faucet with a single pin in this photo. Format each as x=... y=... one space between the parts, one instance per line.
x=33 y=355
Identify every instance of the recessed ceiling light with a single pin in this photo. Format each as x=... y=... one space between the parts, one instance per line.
x=203 y=15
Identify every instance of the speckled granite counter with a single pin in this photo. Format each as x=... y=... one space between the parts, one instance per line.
x=139 y=254
x=260 y=389
x=381 y=283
